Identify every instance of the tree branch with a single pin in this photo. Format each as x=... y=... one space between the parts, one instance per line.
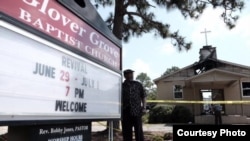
x=133 y=13
x=163 y=30
x=141 y=16
x=126 y=5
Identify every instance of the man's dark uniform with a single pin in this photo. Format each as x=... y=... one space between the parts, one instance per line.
x=217 y=114
x=132 y=95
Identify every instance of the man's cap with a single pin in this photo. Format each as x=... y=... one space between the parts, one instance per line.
x=128 y=71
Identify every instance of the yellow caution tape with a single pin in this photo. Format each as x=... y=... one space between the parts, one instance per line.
x=191 y=102
x=199 y=102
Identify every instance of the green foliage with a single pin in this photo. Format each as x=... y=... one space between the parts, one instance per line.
x=168 y=136
x=152 y=95
x=182 y=114
x=160 y=114
x=171 y=70
x=145 y=80
x=170 y=114
x=148 y=85
x=145 y=118
x=135 y=17
x=104 y=3
x=157 y=138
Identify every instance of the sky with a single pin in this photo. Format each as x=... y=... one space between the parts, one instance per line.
x=153 y=55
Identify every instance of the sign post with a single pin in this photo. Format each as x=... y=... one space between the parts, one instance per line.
x=59 y=71
x=111 y=131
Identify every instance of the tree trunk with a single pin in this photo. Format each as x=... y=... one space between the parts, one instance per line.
x=118 y=19
x=117 y=31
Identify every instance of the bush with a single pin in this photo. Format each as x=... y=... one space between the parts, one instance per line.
x=145 y=118
x=182 y=114
x=168 y=136
x=157 y=138
x=160 y=114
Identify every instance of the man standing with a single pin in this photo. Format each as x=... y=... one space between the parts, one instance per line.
x=133 y=107
x=217 y=108
x=217 y=114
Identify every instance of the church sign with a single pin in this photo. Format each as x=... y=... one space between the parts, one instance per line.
x=55 y=65
x=56 y=21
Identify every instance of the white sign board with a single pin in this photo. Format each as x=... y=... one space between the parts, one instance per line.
x=42 y=81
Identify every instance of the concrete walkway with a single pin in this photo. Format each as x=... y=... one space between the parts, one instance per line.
x=3 y=130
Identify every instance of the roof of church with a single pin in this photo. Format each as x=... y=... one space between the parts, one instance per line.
x=200 y=62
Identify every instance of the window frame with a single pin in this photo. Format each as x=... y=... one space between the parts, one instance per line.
x=174 y=92
x=242 y=89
